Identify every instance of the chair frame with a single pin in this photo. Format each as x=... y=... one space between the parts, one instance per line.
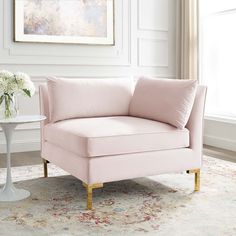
x=92 y=178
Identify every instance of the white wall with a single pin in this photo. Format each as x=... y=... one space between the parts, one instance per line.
x=145 y=43
x=221 y=133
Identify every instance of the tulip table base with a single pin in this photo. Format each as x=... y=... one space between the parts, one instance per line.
x=9 y=192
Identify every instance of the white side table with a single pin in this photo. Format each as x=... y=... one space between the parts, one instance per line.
x=10 y=192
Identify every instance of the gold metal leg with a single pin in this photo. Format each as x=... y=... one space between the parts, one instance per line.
x=89 y=189
x=197 y=178
x=45 y=168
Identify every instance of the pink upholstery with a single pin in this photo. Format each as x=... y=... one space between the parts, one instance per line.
x=165 y=100
x=44 y=102
x=196 y=122
x=76 y=98
x=102 y=136
x=108 y=168
x=127 y=166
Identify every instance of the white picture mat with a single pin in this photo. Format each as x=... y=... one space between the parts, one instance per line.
x=19 y=35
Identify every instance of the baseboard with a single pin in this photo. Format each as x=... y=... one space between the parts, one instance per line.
x=21 y=146
x=219 y=142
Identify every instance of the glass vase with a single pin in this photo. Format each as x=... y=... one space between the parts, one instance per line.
x=9 y=106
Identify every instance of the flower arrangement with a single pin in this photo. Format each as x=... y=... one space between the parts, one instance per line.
x=11 y=85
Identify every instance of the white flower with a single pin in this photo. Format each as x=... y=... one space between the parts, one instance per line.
x=25 y=84
x=7 y=84
x=5 y=74
x=30 y=87
x=22 y=76
x=11 y=84
x=16 y=83
x=19 y=79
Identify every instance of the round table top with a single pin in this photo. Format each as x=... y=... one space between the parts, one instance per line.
x=23 y=119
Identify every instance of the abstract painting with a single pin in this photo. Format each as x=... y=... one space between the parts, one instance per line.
x=64 y=21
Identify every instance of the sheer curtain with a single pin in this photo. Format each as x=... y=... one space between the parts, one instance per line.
x=217 y=56
x=188 y=39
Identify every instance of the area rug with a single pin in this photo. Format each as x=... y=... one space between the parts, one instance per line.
x=159 y=205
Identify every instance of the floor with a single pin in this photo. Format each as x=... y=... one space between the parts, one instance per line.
x=220 y=153
x=158 y=205
x=33 y=158
x=142 y=206
x=22 y=159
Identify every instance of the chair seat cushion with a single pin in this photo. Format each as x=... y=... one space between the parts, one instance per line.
x=101 y=136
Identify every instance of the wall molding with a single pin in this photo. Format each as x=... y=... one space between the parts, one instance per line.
x=155 y=63
x=81 y=61
x=139 y=21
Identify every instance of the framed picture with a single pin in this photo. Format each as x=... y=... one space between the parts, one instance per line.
x=64 y=21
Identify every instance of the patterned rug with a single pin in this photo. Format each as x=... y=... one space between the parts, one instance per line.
x=159 y=205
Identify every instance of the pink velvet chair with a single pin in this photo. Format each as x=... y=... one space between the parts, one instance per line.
x=102 y=148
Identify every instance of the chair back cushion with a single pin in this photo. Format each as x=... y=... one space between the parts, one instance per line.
x=164 y=100
x=79 y=98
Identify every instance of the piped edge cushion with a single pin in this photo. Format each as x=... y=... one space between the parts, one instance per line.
x=81 y=98
x=164 y=100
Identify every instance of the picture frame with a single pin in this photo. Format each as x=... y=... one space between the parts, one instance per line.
x=88 y=22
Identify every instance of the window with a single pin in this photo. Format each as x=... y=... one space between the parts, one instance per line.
x=218 y=56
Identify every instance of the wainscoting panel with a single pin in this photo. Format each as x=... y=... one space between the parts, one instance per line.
x=145 y=44
x=153 y=52
x=153 y=9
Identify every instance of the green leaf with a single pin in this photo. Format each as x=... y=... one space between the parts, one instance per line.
x=1 y=99
x=10 y=98
x=27 y=92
